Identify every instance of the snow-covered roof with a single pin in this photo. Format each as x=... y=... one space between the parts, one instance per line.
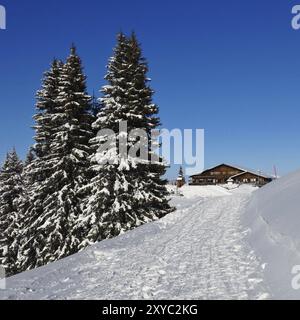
x=244 y=169
x=257 y=172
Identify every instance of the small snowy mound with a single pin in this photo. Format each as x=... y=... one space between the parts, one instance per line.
x=273 y=216
x=203 y=191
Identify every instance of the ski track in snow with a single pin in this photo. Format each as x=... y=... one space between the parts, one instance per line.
x=198 y=252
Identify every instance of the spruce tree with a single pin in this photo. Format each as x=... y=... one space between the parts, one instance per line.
x=96 y=105
x=11 y=194
x=62 y=166
x=151 y=173
x=27 y=170
x=125 y=193
x=38 y=171
x=30 y=157
x=47 y=114
x=180 y=174
x=28 y=179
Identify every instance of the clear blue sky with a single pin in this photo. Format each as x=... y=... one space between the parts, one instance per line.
x=231 y=67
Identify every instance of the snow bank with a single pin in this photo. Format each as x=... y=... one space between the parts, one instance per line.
x=273 y=216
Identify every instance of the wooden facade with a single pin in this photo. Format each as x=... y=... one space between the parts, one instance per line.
x=223 y=174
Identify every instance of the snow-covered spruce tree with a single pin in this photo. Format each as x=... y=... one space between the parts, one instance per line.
x=63 y=159
x=30 y=157
x=47 y=110
x=37 y=171
x=157 y=202
x=96 y=105
x=38 y=164
x=28 y=181
x=27 y=171
x=11 y=193
x=124 y=192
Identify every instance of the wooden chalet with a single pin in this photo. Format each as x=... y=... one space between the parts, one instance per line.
x=229 y=174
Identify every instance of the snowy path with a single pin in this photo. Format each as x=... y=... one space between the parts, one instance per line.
x=198 y=252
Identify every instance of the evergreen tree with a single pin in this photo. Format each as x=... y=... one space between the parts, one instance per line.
x=30 y=157
x=180 y=175
x=27 y=175
x=25 y=202
x=11 y=193
x=47 y=114
x=28 y=180
x=125 y=192
x=62 y=166
x=180 y=179
x=38 y=170
x=96 y=105
x=157 y=202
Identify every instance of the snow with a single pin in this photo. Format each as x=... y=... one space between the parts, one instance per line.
x=201 y=191
x=273 y=219
x=197 y=252
x=242 y=243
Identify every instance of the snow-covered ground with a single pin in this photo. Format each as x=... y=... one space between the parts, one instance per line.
x=219 y=244
x=197 y=252
x=273 y=216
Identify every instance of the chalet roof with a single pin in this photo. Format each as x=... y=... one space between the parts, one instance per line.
x=211 y=168
x=254 y=173
x=244 y=169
